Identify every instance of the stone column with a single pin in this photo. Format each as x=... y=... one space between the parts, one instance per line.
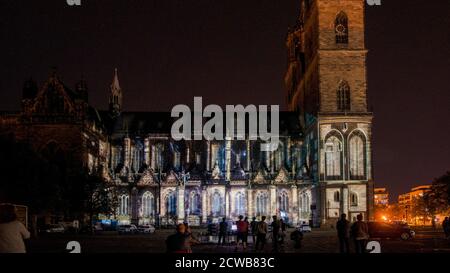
x=273 y=200
x=248 y=156
x=127 y=151
x=147 y=151
x=204 y=206
x=344 y=208
x=227 y=203
x=228 y=158
x=208 y=155
x=294 y=204
x=249 y=202
x=180 y=201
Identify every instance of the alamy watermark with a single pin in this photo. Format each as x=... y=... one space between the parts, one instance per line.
x=235 y=121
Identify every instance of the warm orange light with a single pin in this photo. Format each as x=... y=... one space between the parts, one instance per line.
x=384 y=218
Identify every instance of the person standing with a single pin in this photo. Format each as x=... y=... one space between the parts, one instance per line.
x=254 y=229
x=360 y=234
x=242 y=233
x=276 y=226
x=12 y=232
x=343 y=232
x=223 y=230
x=261 y=233
x=178 y=242
x=446 y=227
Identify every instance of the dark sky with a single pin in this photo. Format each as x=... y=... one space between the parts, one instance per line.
x=232 y=52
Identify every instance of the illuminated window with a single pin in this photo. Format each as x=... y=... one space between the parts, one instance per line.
x=148 y=203
x=194 y=203
x=171 y=203
x=333 y=158
x=261 y=204
x=217 y=202
x=284 y=202
x=240 y=206
x=123 y=204
x=357 y=156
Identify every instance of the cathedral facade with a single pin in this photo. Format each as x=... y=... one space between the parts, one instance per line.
x=322 y=167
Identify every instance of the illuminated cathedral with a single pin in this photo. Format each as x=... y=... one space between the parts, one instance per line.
x=322 y=167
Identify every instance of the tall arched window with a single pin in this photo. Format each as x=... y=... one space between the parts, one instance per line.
x=216 y=204
x=341 y=28
x=148 y=203
x=240 y=203
x=123 y=204
x=171 y=204
x=261 y=204
x=333 y=157
x=137 y=156
x=194 y=203
x=284 y=201
x=357 y=159
x=343 y=97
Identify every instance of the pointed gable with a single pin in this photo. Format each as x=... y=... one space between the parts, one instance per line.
x=147 y=179
x=282 y=176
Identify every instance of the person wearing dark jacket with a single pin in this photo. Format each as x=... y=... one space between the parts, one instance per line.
x=360 y=234
x=343 y=232
x=178 y=242
x=223 y=230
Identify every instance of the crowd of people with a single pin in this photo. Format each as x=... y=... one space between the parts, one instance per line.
x=181 y=241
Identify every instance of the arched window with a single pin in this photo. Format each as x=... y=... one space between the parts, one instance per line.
x=284 y=201
x=137 y=156
x=341 y=28
x=333 y=157
x=240 y=203
x=343 y=97
x=148 y=203
x=216 y=204
x=123 y=204
x=194 y=203
x=261 y=204
x=353 y=199
x=337 y=197
x=171 y=204
x=357 y=159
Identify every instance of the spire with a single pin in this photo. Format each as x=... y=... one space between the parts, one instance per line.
x=115 y=84
x=115 y=99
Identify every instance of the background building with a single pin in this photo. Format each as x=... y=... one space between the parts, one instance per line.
x=381 y=197
x=413 y=207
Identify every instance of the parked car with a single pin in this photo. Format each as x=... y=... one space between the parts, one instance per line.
x=127 y=229
x=146 y=229
x=53 y=228
x=304 y=227
x=388 y=230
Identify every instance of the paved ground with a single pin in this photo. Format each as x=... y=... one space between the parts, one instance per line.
x=318 y=241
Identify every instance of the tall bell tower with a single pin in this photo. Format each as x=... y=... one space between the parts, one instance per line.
x=326 y=83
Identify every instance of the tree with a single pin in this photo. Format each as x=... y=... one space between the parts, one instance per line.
x=438 y=197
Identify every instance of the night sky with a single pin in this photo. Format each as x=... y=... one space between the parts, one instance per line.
x=233 y=52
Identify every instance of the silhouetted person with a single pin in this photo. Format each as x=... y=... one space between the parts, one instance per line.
x=12 y=232
x=343 y=232
x=254 y=229
x=276 y=227
x=223 y=231
x=360 y=234
x=178 y=242
x=446 y=227
x=261 y=233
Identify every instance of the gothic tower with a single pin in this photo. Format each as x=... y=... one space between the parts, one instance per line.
x=327 y=85
x=115 y=97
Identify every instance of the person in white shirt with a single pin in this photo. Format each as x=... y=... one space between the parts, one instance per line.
x=12 y=232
